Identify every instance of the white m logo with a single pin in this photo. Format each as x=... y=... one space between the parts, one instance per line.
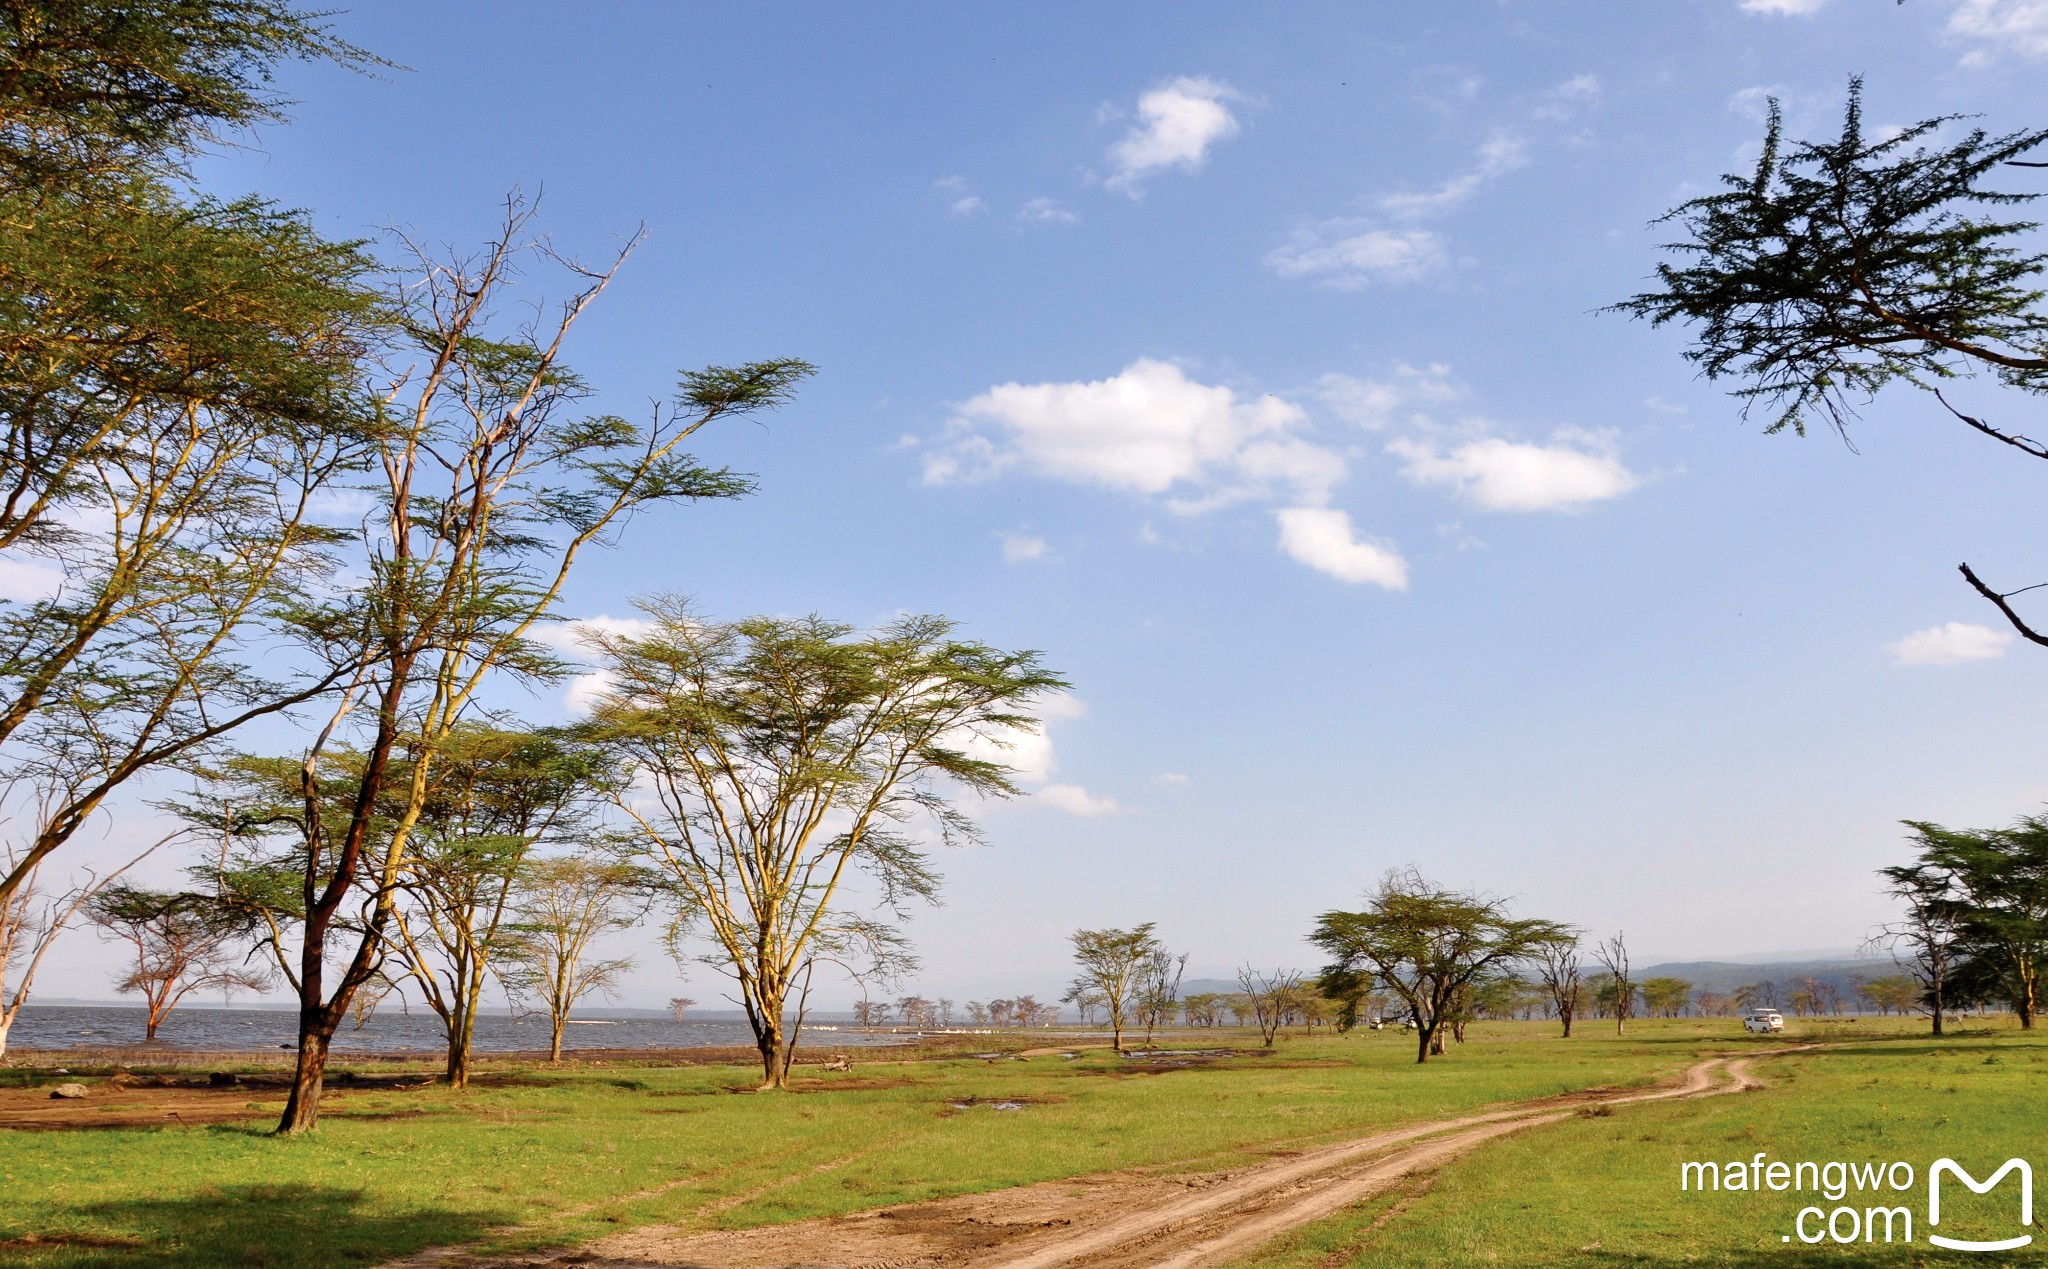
x=1976 y=1187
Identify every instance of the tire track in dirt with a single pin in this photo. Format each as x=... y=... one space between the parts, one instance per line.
x=1235 y=1217
x=1120 y=1221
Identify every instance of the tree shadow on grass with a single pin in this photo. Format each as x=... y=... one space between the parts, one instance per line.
x=265 y=1225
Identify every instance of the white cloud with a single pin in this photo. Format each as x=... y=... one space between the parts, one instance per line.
x=1322 y=538
x=1501 y=475
x=1177 y=124
x=1501 y=154
x=1950 y=644
x=1029 y=754
x=582 y=691
x=1375 y=404
x=1046 y=211
x=1791 y=8
x=1561 y=103
x=1075 y=800
x=1147 y=430
x=1171 y=777
x=1019 y=548
x=968 y=206
x=1350 y=254
x=25 y=580
x=2008 y=26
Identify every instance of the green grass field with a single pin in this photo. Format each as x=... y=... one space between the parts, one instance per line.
x=1606 y=1189
x=550 y=1158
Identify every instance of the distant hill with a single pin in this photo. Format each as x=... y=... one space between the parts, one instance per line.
x=1719 y=976
x=1726 y=976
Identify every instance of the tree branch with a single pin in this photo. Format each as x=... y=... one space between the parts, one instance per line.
x=2026 y=631
x=2025 y=445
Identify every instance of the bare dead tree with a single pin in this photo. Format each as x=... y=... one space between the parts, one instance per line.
x=1557 y=964
x=1613 y=953
x=1267 y=996
x=1158 y=998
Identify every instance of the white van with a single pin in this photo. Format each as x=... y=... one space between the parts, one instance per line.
x=1763 y=1020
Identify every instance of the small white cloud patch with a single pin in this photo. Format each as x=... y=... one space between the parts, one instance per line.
x=1323 y=539
x=1046 y=211
x=1950 y=644
x=26 y=581
x=1501 y=475
x=1022 y=548
x=1351 y=254
x=584 y=690
x=1075 y=800
x=1783 y=8
x=1177 y=124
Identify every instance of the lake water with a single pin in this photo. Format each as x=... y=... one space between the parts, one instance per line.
x=199 y=1029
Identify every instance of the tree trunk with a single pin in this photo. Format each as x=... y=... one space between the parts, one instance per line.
x=1116 y=1030
x=1425 y=1042
x=768 y=1038
x=457 y=1071
x=555 y=1040
x=6 y=1024
x=302 y=1111
x=1567 y=1020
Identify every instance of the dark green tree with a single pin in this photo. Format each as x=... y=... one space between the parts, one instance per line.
x=180 y=378
x=1997 y=896
x=1428 y=945
x=1837 y=268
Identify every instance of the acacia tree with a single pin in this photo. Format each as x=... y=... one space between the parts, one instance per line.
x=564 y=905
x=180 y=944
x=1893 y=993
x=1112 y=967
x=490 y=486
x=786 y=757
x=1837 y=268
x=1930 y=932
x=180 y=379
x=1557 y=965
x=30 y=923
x=1428 y=945
x=496 y=796
x=1666 y=997
x=1995 y=885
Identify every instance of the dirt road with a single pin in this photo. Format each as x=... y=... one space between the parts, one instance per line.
x=1117 y=1220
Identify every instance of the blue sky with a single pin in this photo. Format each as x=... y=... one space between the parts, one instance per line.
x=1248 y=362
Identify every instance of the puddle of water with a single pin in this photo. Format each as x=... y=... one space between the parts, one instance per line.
x=1005 y=1105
